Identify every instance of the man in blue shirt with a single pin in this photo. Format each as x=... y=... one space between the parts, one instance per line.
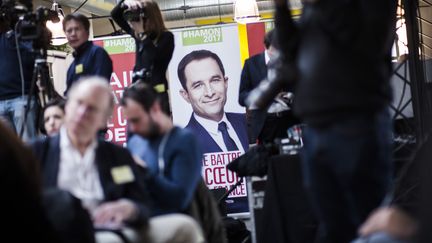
x=89 y=58
x=172 y=155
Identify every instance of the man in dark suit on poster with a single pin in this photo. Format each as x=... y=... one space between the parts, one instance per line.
x=202 y=76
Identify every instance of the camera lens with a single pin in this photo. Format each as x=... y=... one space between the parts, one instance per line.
x=132 y=16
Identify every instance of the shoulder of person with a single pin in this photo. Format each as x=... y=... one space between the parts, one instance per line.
x=97 y=48
x=114 y=148
x=38 y=143
x=183 y=133
x=255 y=57
x=167 y=33
x=235 y=115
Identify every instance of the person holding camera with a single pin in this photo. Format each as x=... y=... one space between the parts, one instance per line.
x=16 y=68
x=142 y=19
x=89 y=59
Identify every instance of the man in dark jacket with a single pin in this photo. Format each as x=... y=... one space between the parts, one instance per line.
x=89 y=59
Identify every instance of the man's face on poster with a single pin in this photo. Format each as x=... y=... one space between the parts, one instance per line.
x=206 y=88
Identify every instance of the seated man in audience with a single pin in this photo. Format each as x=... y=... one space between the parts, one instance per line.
x=172 y=155
x=103 y=176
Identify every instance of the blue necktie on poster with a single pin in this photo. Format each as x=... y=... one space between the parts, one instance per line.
x=229 y=142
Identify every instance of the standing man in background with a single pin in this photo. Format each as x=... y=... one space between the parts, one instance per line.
x=89 y=59
x=264 y=125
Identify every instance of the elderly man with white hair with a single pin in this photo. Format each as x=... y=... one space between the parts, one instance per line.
x=102 y=175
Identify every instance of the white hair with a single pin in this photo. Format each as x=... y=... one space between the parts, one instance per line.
x=90 y=82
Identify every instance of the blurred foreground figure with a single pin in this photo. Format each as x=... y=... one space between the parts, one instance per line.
x=22 y=200
x=342 y=52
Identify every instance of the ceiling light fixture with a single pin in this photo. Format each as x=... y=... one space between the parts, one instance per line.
x=246 y=11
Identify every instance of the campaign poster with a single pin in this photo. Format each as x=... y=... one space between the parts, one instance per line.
x=122 y=52
x=204 y=79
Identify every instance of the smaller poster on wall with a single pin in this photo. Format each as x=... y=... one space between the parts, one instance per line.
x=122 y=52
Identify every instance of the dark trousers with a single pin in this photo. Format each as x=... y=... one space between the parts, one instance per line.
x=347 y=171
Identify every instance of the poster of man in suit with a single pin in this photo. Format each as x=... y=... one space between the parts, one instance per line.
x=204 y=79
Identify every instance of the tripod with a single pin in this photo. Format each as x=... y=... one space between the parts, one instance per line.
x=41 y=87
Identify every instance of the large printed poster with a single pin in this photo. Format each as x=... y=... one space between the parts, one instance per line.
x=204 y=76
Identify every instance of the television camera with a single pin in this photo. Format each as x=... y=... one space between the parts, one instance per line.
x=19 y=21
x=28 y=25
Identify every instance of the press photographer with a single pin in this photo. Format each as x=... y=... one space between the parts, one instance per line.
x=23 y=39
x=142 y=19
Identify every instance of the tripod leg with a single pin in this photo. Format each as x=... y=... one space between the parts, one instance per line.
x=28 y=107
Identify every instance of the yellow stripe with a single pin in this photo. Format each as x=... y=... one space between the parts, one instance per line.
x=264 y=16
x=104 y=5
x=243 y=41
x=214 y=21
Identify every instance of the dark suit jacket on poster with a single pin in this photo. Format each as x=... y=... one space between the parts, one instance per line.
x=208 y=145
x=253 y=72
x=108 y=156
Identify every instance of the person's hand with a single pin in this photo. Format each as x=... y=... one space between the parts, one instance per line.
x=281 y=94
x=132 y=4
x=390 y=220
x=114 y=214
x=139 y=161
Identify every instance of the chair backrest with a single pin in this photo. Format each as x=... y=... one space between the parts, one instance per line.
x=205 y=211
